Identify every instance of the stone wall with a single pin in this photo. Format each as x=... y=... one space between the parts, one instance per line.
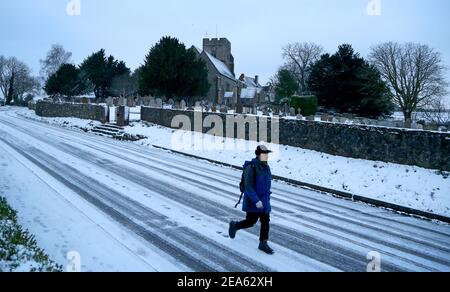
x=32 y=105
x=421 y=148
x=74 y=110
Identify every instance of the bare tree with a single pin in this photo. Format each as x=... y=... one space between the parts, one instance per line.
x=437 y=112
x=56 y=57
x=299 y=58
x=413 y=72
x=15 y=79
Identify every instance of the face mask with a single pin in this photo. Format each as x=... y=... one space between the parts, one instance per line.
x=264 y=157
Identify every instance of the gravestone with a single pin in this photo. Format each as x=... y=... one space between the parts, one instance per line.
x=310 y=118
x=183 y=105
x=224 y=109
x=397 y=124
x=130 y=101
x=286 y=110
x=159 y=103
x=176 y=105
x=138 y=102
x=110 y=101
x=292 y=112
x=299 y=117
x=146 y=100
x=152 y=103
x=324 y=118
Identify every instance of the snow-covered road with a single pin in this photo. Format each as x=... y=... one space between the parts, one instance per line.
x=123 y=207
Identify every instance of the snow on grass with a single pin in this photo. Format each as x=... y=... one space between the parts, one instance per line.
x=18 y=249
x=72 y=123
x=410 y=186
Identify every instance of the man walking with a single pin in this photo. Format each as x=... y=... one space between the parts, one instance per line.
x=257 y=185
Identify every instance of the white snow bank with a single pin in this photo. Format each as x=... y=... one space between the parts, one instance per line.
x=73 y=123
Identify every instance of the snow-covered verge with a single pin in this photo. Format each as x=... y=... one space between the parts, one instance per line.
x=409 y=186
x=18 y=249
x=71 y=123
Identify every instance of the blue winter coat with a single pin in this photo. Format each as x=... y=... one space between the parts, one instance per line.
x=257 y=182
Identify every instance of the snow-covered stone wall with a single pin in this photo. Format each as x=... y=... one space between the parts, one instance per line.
x=410 y=147
x=81 y=111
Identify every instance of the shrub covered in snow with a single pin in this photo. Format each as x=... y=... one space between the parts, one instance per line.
x=18 y=249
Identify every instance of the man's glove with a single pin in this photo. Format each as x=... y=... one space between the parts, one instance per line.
x=260 y=205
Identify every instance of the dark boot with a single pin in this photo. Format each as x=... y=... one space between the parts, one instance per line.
x=232 y=231
x=265 y=247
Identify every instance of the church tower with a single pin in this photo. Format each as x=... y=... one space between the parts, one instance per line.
x=221 y=49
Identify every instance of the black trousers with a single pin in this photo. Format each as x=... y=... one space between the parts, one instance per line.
x=252 y=219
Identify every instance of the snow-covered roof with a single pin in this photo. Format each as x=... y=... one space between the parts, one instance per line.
x=249 y=92
x=251 y=82
x=228 y=94
x=220 y=66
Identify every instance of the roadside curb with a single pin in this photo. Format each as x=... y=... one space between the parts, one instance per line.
x=336 y=193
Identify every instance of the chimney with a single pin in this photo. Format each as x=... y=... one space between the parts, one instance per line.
x=257 y=80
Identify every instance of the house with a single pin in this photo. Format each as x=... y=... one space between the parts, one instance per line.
x=252 y=93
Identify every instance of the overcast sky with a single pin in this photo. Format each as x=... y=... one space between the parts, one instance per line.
x=257 y=29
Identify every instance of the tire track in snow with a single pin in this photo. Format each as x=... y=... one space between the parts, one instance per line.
x=294 y=233
x=205 y=255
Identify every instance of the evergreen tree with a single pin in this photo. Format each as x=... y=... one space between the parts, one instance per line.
x=172 y=71
x=66 y=81
x=101 y=71
x=345 y=82
x=286 y=85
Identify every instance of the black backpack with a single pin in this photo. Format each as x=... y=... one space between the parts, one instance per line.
x=242 y=183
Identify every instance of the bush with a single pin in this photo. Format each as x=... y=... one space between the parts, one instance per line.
x=18 y=248
x=307 y=104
